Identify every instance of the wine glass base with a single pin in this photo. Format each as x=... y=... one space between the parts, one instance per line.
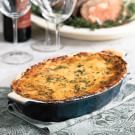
x=16 y=57
x=45 y=48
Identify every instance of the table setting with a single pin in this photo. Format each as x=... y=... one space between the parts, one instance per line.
x=55 y=42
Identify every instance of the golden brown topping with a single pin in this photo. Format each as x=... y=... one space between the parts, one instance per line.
x=69 y=77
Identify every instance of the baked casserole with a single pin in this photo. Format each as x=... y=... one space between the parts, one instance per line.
x=71 y=76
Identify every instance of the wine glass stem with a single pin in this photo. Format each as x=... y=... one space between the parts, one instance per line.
x=15 y=32
x=57 y=34
x=47 y=35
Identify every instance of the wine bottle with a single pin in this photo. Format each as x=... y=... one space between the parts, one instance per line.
x=24 y=28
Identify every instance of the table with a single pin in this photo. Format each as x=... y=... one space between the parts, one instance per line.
x=118 y=121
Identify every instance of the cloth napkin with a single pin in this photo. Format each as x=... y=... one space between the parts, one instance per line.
x=126 y=93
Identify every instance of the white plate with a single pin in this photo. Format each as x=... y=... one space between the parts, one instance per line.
x=87 y=34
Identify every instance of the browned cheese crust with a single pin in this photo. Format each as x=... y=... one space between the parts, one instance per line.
x=68 y=77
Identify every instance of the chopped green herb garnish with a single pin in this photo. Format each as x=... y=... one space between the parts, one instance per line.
x=79 y=65
x=60 y=67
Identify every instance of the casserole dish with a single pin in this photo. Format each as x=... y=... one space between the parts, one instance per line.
x=60 y=108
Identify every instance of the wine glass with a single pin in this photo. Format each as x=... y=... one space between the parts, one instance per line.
x=40 y=45
x=56 y=11
x=15 y=9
